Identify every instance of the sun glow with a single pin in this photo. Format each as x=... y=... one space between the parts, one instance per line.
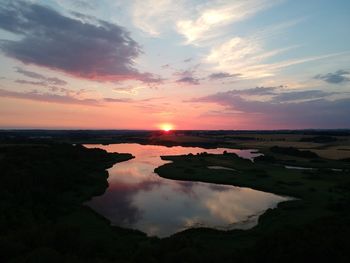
x=166 y=127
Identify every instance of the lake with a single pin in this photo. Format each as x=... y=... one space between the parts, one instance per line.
x=138 y=198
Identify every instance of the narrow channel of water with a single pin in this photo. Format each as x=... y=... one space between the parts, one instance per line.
x=138 y=198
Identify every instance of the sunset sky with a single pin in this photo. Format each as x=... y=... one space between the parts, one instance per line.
x=141 y=64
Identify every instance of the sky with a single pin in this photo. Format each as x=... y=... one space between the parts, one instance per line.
x=150 y=64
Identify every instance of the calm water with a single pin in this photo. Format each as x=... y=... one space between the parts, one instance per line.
x=140 y=199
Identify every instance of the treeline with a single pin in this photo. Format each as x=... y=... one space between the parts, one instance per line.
x=293 y=152
x=319 y=139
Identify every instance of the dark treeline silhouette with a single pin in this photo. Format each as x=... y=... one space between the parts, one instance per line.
x=319 y=139
x=293 y=152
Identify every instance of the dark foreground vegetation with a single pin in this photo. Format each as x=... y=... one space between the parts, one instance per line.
x=313 y=226
x=43 y=218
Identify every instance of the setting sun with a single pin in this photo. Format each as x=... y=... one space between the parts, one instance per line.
x=166 y=127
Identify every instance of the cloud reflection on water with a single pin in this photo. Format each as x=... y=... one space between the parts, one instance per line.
x=140 y=199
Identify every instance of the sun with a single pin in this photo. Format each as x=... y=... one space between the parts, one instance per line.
x=166 y=127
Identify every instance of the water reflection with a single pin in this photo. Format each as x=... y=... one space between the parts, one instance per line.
x=138 y=198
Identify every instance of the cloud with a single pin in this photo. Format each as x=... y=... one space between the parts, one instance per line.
x=276 y=94
x=244 y=55
x=130 y=90
x=48 y=97
x=247 y=56
x=216 y=14
x=302 y=95
x=55 y=89
x=152 y=16
x=79 y=4
x=338 y=77
x=187 y=76
x=46 y=80
x=69 y=97
x=29 y=82
x=194 y=20
x=257 y=91
x=188 y=80
x=117 y=100
x=284 y=109
x=222 y=75
x=96 y=50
